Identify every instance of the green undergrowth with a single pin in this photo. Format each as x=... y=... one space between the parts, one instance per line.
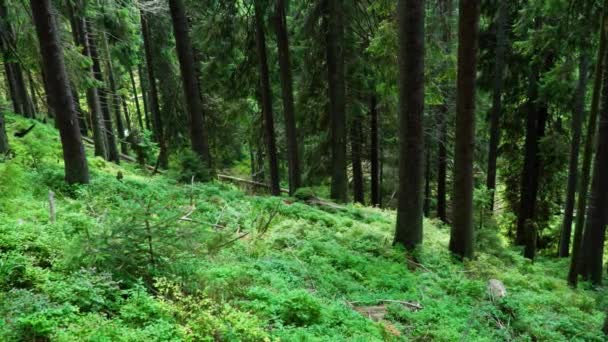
x=149 y=259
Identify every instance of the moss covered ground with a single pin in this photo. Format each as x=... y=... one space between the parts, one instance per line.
x=145 y=258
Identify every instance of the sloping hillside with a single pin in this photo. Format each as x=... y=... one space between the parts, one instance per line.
x=145 y=258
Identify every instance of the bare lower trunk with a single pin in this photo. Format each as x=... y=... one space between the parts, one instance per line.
x=266 y=97
x=577 y=125
x=462 y=235
x=76 y=168
x=411 y=135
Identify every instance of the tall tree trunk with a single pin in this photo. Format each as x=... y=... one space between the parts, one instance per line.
x=411 y=133
x=136 y=97
x=76 y=168
x=442 y=120
x=79 y=112
x=114 y=97
x=10 y=84
x=499 y=66
x=374 y=153
x=597 y=217
x=104 y=96
x=356 y=139
x=462 y=235
x=21 y=102
x=153 y=102
x=144 y=93
x=337 y=101
x=24 y=97
x=588 y=152
x=527 y=199
x=125 y=110
x=293 y=159
x=92 y=94
x=198 y=134
x=577 y=124
x=266 y=95
x=427 y=183
x=33 y=92
x=535 y=130
x=4 y=146
x=76 y=36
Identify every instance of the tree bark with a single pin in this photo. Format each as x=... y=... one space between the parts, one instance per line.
x=140 y=120
x=92 y=94
x=76 y=168
x=104 y=94
x=22 y=103
x=462 y=235
x=356 y=138
x=293 y=159
x=114 y=97
x=442 y=153
x=153 y=102
x=499 y=66
x=595 y=227
x=537 y=114
x=144 y=94
x=411 y=133
x=4 y=146
x=374 y=153
x=266 y=97
x=427 y=183
x=600 y=63
x=577 y=125
x=125 y=110
x=337 y=101
x=198 y=134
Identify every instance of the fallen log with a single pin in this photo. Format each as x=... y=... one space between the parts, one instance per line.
x=248 y=182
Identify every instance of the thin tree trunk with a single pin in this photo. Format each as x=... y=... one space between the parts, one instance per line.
x=600 y=63
x=427 y=183
x=442 y=164
x=356 y=138
x=24 y=98
x=442 y=153
x=595 y=227
x=527 y=194
x=76 y=168
x=337 y=102
x=104 y=94
x=499 y=66
x=266 y=95
x=462 y=235
x=577 y=125
x=374 y=153
x=153 y=102
x=144 y=94
x=4 y=146
x=136 y=97
x=125 y=110
x=10 y=83
x=198 y=134
x=535 y=131
x=92 y=94
x=411 y=134
x=33 y=92
x=115 y=98
x=21 y=102
x=293 y=159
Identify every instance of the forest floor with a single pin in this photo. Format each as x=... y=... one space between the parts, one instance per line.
x=145 y=258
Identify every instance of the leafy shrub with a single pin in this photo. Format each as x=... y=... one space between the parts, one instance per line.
x=188 y=164
x=300 y=309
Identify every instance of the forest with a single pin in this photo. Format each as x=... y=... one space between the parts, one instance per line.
x=304 y=170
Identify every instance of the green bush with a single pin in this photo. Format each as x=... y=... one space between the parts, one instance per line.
x=300 y=309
